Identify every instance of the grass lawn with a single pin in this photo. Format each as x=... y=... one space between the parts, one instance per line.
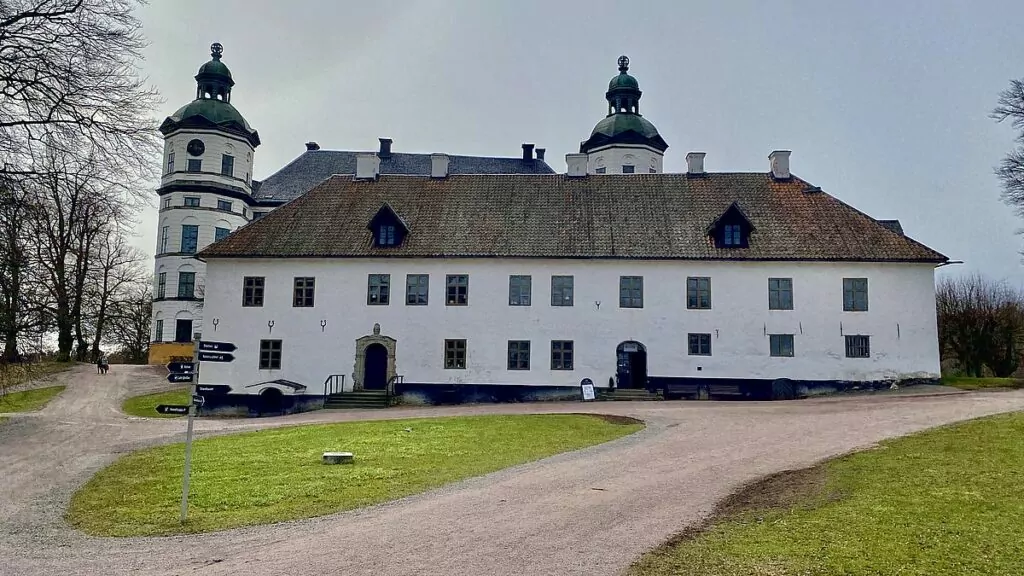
x=28 y=400
x=941 y=503
x=146 y=405
x=275 y=475
x=969 y=383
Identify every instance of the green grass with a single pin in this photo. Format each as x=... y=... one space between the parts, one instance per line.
x=969 y=383
x=146 y=405
x=940 y=503
x=28 y=400
x=275 y=475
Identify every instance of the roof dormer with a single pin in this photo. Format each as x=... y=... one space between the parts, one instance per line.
x=732 y=229
x=388 y=228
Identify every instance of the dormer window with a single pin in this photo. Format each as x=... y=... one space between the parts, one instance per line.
x=733 y=235
x=388 y=228
x=386 y=235
x=732 y=229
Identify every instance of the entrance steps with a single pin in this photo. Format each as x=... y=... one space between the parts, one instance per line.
x=357 y=399
x=629 y=395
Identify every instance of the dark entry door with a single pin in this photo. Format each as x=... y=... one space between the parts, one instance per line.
x=632 y=365
x=183 y=331
x=375 y=372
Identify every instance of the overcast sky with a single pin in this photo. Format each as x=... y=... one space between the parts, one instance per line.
x=884 y=104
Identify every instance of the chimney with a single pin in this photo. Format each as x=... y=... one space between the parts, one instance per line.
x=779 y=161
x=695 y=163
x=310 y=146
x=385 y=148
x=527 y=152
x=367 y=166
x=540 y=153
x=438 y=165
x=577 y=165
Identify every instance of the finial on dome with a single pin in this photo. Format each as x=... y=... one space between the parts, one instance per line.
x=216 y=50
x=623 y=63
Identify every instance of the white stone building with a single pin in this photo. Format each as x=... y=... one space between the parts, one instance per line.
x=207 y=191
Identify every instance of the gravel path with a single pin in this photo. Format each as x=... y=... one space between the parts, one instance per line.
x=589 y=512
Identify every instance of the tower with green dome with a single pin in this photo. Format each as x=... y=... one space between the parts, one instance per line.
x=205 y=194
x=624 y=142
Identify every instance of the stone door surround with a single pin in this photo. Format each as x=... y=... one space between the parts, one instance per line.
x=361 y=345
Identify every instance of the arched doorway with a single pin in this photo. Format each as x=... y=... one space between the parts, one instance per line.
x=631 y=365
x=271 y=401
x=375 y=368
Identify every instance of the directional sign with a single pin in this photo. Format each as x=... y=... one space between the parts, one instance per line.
x=213 y=389
x=198 y=400
x=181 y=368
x=217 y=346
x=178 y=377
x=216 y=357
x=172 y=409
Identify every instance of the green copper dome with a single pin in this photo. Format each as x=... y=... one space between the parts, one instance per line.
x=215 y=111
x=624 y=124
x=214 y=68
x=623 y=80
x=617 y=124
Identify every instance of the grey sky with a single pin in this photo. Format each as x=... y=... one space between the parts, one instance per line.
x=883 y=103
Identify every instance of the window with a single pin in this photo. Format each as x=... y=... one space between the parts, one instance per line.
x=600 y=170
x=378 y=290
x=186 y=284
x=224 y=205
x=628 y=169
x=220 y=234
x=417 y=289
x=780 y=344
x=194 y=165
x=699 y=344
x=858 y=346
x=189 y=238
x=159 y=337
x=165 y=233
x=561 y=290
x=855 y=294
x=303 y=292
x=698 y=293
x=252 y=291
x=191 y=201
x=733 y=235
x=455 y=354
x=385 y=235
x=161 y=285
x=561 y=354
x=167 y=202
x=270 y=354
x=518 y=354
x=457 y=290
x=170 y=167
x=519 y=289
x=780 y=293
x=631 y=291
x=182 y=330
x=227 y=165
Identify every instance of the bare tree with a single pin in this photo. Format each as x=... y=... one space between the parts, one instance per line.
x=118 y=272
x=981 y=324
x=68 y=75
x=130 y=315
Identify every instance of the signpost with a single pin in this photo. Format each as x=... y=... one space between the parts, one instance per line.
x=189 y=372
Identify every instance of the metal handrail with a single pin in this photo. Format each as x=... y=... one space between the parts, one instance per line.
x=390 y=388
x=334 y=384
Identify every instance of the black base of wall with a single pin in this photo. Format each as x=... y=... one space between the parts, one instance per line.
x=440 y=394
x=254 y=405
x=763 y=389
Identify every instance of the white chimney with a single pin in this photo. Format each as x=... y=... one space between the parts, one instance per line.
x=367 y=166
x=438 y=165
x=695 y=162
x=779 y=161
x=577 y=165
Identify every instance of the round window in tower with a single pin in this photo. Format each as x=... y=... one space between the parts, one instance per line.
x=196 y=147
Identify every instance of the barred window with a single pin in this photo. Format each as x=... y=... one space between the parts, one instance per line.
x=858 y=346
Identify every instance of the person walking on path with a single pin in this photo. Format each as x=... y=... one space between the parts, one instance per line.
x=104 y=364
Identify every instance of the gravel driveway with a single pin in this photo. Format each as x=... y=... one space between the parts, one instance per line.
x=590 y=512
